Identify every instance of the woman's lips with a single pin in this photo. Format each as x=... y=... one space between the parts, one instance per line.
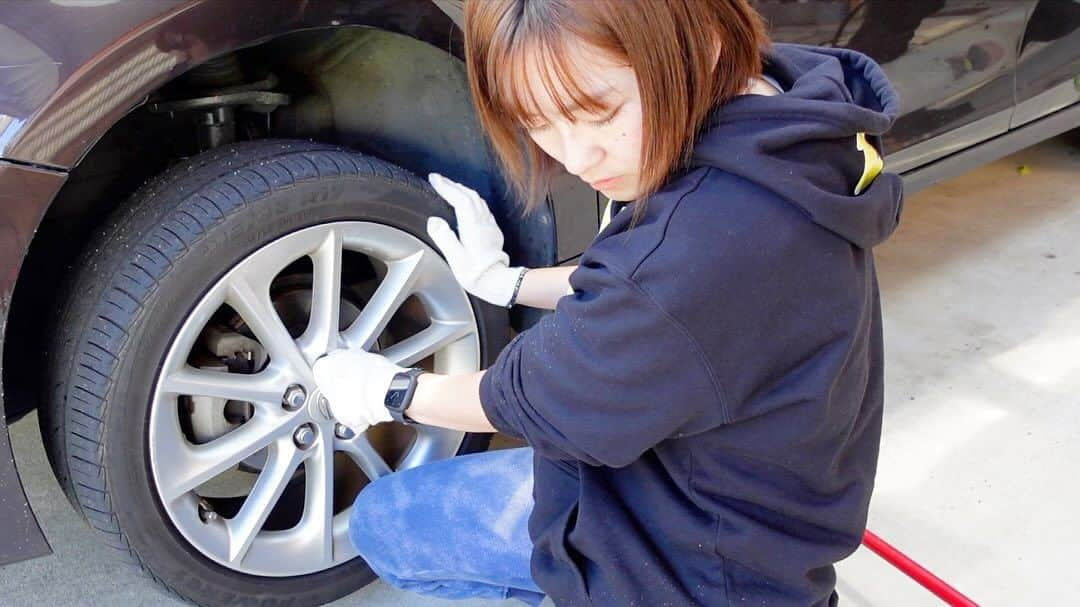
x=603 y=183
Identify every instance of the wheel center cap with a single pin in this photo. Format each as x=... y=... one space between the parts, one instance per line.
x=319 y=407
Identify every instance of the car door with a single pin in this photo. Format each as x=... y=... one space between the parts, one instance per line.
x=1048 y=73
x=952 y=62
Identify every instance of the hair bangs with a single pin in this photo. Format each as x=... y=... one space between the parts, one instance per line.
x=541 y=53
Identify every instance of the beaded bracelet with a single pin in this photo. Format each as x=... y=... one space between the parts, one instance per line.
x=517 y=286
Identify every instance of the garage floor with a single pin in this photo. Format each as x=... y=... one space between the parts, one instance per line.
x=981 y=292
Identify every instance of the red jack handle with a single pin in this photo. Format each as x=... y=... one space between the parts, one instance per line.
x=915 y=571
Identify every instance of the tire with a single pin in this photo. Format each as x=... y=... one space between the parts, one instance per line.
x=117 y=352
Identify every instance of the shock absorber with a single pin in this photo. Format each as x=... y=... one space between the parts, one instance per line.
x=219 y=91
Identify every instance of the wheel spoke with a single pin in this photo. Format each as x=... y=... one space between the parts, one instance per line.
x=265 y=386
x=254 y=305
x=322 y=333
x=316 y=526
x=359 y=449
x=182 y=467
x=432 y=443
x=435 y=337
x=282 y=460
x=394 y=289
x=185 y=473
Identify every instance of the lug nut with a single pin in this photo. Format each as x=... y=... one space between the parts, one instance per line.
x=343 y=432
x=206 y=512
x=304 y=437
x=294 y=398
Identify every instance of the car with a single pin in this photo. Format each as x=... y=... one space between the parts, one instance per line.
x=198 y=198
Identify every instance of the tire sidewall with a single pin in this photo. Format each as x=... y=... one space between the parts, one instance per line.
x=140 y=514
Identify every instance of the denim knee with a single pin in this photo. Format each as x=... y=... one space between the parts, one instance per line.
x=371 y=524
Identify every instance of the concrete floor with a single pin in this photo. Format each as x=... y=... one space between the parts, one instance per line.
x=981 y=299
x=981 y=289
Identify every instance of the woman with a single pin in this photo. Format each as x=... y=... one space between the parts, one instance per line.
x=703 y=407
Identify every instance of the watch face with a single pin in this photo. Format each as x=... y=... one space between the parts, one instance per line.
x=399 y=392
x=394 y=398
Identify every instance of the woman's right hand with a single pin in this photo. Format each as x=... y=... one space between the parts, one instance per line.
x=477 y=260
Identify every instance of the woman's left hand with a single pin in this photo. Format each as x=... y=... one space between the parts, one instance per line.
x=355 y=383
x=477 y=258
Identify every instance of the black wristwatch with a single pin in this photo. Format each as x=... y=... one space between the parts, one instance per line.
x=400 y=394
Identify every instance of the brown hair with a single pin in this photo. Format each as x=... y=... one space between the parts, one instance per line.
x=670 y=44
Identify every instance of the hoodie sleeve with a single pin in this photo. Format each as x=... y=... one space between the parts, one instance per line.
x=605 y=377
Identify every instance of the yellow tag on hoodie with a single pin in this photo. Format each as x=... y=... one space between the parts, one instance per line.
x=872 y=163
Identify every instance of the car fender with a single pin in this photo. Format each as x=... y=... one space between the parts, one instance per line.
x=112 y=57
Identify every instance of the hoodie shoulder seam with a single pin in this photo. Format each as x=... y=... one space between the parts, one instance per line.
x=694 y=344
x=695 y=347
x=667 y=222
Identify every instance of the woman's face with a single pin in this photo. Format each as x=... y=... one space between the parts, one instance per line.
x=603 y=149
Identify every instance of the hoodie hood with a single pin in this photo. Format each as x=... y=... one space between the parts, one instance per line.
x=835 y=105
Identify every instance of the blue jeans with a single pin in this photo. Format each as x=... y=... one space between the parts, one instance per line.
x=455 y=528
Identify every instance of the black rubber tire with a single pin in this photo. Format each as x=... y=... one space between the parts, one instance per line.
x=128 y=295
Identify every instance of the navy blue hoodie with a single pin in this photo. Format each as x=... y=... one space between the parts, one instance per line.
x=705 y=408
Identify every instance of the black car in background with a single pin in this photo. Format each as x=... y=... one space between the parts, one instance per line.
x=199 y=197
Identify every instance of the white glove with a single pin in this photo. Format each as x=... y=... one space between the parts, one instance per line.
x=355 y=383
x=477 y=260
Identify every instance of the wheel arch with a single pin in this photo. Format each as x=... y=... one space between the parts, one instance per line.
x=350 y=53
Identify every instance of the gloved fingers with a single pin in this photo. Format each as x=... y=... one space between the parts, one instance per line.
x=466 y=266
x=463 y=261
x=466 y=192
x=447 y=241
x=336 y=391
x=487 y=233
x=480 y=213
x=325 y=368
x=476 y=224
x=479 y=206
x=452 y=193
x=331 y=370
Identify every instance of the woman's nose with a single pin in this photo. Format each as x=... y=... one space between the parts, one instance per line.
x=580 y=156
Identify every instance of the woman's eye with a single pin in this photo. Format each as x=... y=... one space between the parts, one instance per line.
x=538 y=127
x=608 y=120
